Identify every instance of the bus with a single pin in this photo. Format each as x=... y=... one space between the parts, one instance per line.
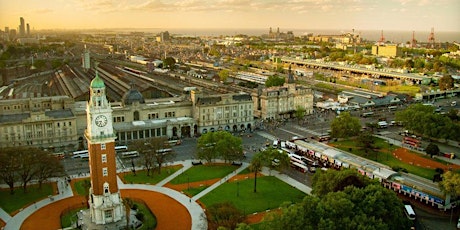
x=164 y=151
x=392 y=108
x=80 y=152
x=173 y=142
x=409 y=211
x=121 y=148
x=300 y=167
x=368 y=114
x=130 y=154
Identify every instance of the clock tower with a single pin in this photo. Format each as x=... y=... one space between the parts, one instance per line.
x=105 y=203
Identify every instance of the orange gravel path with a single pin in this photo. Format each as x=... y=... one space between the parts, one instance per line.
x=170 y=213
x=48 y=217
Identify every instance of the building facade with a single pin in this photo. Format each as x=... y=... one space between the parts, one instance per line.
x=387 y=50
x=105 y=203
x=229 y=112
x=45 y=121
x=282 y=101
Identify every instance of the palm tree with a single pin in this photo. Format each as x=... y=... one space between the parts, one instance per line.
x=256 y=165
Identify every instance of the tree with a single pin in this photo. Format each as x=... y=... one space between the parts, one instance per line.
x=367 y=206
x=372 y=126
x=300 y=112
x=422 y=120
x=169 y=62
x=274 y=81
x=148 y=150
x=450 y=183
x=223 y=75
x=446 y=82
x=256 y=165
x=27 y=159
x=219 y=144
x=432 y=149
x=47 y=167
x=345 y=126
x=9 y=167
x=366 y=142
x=224 y=215
x=276 y=159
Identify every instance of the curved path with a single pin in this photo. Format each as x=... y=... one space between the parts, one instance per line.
x=173 y=209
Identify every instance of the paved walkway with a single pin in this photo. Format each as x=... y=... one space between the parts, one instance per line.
x=14 y=222
x=196 y=212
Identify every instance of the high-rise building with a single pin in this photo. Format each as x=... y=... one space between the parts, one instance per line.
x=105 y=203
x=28 y=29
x=22 y=27
x=86 y=60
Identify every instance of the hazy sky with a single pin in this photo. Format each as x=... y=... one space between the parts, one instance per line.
x=410 y=15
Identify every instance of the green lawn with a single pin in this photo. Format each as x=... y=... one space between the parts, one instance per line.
x=193 y=191
x=271 y=193
x=69 y=217
x=142 y=178
x=245 y=171
x=150 y=221
x=80 y=187
x=383 y=156
x=204 y=172
x=19 y=199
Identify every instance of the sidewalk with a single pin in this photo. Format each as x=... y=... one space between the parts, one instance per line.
x=65 y=191
x=196 y=211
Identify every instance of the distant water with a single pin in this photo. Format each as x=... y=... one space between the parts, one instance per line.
x=371 y=35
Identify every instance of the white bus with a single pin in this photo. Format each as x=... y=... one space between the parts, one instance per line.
x=164 y=151
x=300 y=167
x=409 y=211
x=130 y=154
x=80 y=152
x=121 y=148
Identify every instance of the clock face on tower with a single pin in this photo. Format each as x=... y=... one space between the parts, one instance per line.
x=101 y=120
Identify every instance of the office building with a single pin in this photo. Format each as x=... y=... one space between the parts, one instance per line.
x=22 y=27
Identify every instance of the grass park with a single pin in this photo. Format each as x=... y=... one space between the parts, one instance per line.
x=271 y=193
x=141 y=176
x=383 y=154
x=203 y=173
x=11 y=203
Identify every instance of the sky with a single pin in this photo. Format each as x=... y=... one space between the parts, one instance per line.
x=410 y=15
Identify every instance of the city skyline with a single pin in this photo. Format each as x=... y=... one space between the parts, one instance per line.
x=405 y=15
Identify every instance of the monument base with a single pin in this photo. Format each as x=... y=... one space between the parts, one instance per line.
x=84 y=222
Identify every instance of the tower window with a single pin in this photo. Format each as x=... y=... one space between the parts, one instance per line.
x=106 y=188
x=104 y=158
x=105 y=172
x=103 y=146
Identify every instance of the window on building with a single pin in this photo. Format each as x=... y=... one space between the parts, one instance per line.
x=104 y=158
x=103 y=146
x=108 y=214
x=105 y=171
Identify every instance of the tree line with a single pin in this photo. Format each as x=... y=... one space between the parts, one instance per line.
x=24 y=164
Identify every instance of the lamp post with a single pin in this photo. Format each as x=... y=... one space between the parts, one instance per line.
x=237 y=188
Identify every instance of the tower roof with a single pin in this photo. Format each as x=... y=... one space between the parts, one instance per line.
x=97 y=82
x=133 y=95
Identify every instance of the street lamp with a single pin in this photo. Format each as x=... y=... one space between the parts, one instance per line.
x=237 y=188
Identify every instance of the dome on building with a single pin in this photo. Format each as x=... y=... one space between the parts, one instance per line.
x=97 y=82
x=133 y=95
